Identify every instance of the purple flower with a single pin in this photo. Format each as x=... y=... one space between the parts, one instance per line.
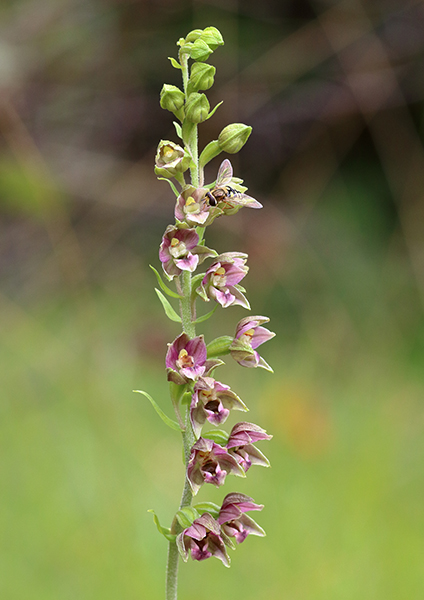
x=202 y=540
x=186 y=359
x=240 y=444
x=222 y=278
x=179 y=251
x=193 y=208
x=213 y=401
x=210 y=463
x=232 y=519
x=249 y=335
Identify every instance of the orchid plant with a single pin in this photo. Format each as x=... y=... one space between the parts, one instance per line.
x=205 y=529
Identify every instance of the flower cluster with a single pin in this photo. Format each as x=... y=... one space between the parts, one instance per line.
x=199 y=399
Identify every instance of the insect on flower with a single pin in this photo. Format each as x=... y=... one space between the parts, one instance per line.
x=225 y=194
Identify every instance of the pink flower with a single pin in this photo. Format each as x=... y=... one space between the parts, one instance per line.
x=210 y=463
x=179 y=251
x=233 y=520
x=221 y=280
x=202 y=540
x=193 y=208
x=213 y=401
x=240 y=444
x=249 y=335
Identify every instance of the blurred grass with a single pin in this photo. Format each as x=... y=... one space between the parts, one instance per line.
x=83 y=459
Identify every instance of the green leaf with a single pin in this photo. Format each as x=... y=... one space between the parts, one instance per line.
x=174 y=63
x=219 y=346
x=174 y=189
x=178 y=129
x=209 y=507
x=186 y=516
x=165 y=531
x=207 y=315
x=163 y=285
x=219 y=436
x=172 y=424
x=169 y=311
x=214 y=110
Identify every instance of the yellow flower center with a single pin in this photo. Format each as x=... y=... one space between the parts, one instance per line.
x=184 y=359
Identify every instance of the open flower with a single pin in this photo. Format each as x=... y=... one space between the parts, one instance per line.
x=213 y=401
x=186 y=359
x=202 y=540
x=172 y=157
x=193 y=208
x=233 y=520
x=179 y=251
x=240 y=444
x=210 y=463
x=249 y=335
x=222 y=278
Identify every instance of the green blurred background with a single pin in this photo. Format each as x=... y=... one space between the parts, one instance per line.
x=334 y=91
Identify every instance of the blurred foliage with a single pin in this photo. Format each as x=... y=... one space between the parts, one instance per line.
x=334 y=91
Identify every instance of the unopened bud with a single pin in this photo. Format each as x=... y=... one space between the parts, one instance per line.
x=171 y=98
x=201 y=77
x=212 y=36
x=200 y=50
x=233 y=137
x=193 y=35
x=197 y=108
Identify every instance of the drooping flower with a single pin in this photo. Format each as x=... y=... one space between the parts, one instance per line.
x=202 y=540
x=212 y=400
x=210 y=463
x=193 y=208
x=222 y=278
x=240 y=444
x=179 y=251
x=249 y=335
x=233 y=520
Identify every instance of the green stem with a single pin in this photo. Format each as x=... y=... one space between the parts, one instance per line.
x=187 y=310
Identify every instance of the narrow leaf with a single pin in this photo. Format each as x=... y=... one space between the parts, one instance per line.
x=196 y=280
x=178 y=129
x=213 y=110
x=174 y=189
x=169 y=311
x=172 y=424
x=174 y=63
x=165 y=531
x=207 y=315
x=164 y=287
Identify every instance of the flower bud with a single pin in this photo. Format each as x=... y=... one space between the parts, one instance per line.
x=233 y=137
x=193 y=35
x=172 y=157
x=171 y=98
x=197 y=108
x=200 y=50
x=201 y=77
x=212 y=36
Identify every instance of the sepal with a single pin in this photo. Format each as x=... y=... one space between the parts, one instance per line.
x=197 y=108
